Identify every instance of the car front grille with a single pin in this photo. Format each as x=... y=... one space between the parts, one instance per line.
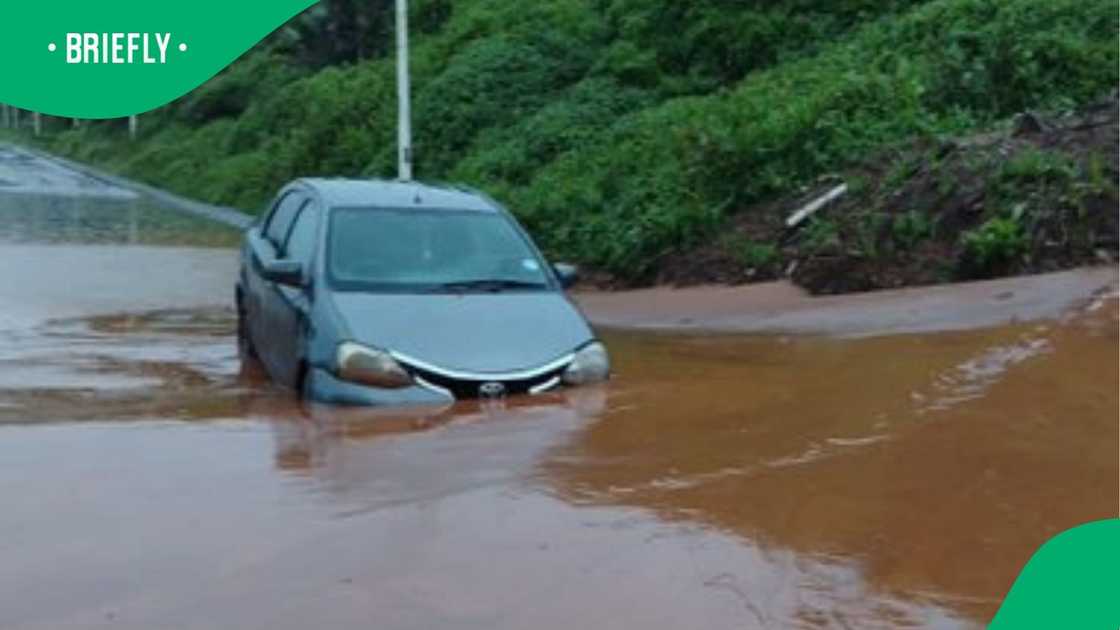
x=480 y=386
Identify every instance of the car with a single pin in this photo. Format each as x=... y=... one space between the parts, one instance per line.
x=387 y=293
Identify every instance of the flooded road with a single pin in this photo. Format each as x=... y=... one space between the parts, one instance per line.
x=149 y=480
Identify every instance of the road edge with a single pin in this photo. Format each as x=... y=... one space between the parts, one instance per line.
x=222 y=214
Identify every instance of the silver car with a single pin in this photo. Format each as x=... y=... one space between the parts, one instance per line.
x=391 y=293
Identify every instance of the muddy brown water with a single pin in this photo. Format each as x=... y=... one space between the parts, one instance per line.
x=149 y=480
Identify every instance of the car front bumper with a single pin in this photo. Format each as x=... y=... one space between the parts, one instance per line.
x=324 y=387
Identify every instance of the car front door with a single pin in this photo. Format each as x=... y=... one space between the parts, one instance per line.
x=261 y=294
x=289 y=314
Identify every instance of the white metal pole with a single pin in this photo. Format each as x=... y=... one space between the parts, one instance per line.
x=404 y=96
x=37 y=123
x=133 y=123
x=5 y=121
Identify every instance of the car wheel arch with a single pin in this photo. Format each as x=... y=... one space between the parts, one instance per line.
x=303 y=373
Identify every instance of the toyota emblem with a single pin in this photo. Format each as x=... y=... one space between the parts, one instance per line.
x=492 y=391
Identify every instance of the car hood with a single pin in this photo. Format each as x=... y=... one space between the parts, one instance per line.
x=493 y=332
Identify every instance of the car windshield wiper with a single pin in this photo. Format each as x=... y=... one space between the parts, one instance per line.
x=486 y=285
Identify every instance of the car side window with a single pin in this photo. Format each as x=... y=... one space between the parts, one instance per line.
x=280 y=223
x=300 y=245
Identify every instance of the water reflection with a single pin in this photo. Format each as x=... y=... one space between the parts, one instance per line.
x=132 y=220
x=366 y=459
x=22 y=173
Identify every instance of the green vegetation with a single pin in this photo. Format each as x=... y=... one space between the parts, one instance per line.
x=623 y=130
x=1035 y=166
x=821 y=236
x=996 y=243
x=754 y=255
x=911 y=228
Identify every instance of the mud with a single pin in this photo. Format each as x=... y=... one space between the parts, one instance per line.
x=782 y=308
x=151 y=480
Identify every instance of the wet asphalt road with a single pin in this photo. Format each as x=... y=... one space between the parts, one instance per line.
x=150 y=480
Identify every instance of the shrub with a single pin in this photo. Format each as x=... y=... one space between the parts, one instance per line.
x=492 y=83
x=698 y=46
x=995 y=244
x=574 y=119
x=821 y=236
x=1003 y=57
x=1035 y=165
x=231 y=92
x=911 y=228
x=755 y=255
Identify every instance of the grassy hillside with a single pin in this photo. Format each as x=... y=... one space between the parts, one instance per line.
x=624 y=131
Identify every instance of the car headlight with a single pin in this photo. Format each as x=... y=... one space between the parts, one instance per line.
x=591 y=365
x=358 y=364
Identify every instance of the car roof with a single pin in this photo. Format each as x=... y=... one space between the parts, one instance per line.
x=361 y=193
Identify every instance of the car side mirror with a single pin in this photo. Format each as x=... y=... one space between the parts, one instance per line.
x=567 y=274
x=286 y=272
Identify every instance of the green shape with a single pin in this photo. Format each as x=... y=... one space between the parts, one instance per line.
x=39 y=79
x=1071 y=582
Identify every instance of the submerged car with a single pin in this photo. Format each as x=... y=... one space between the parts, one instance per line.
x=396 y=293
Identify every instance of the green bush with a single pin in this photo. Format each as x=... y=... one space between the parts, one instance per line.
x=1035 y=165
x=231 y=92
x=698 y=46
x=1003 y=57
x=492 y=83
x=754 y=255
x=821 y=236
x=995 y=244
x=511 y=155
x=911 y=228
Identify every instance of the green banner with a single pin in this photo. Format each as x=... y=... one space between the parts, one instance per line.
x=1072 y=582
x=109 y=59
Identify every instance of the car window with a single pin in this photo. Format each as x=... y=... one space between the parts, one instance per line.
x=281 y=220
x=415 y=249
x=301 y=241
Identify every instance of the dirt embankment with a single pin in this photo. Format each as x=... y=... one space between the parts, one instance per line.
x=1038 y=196
x=781 y=308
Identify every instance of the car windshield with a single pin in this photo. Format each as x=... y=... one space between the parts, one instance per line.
x=417 y=250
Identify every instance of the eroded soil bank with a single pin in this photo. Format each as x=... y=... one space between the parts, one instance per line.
x=1037 y=196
